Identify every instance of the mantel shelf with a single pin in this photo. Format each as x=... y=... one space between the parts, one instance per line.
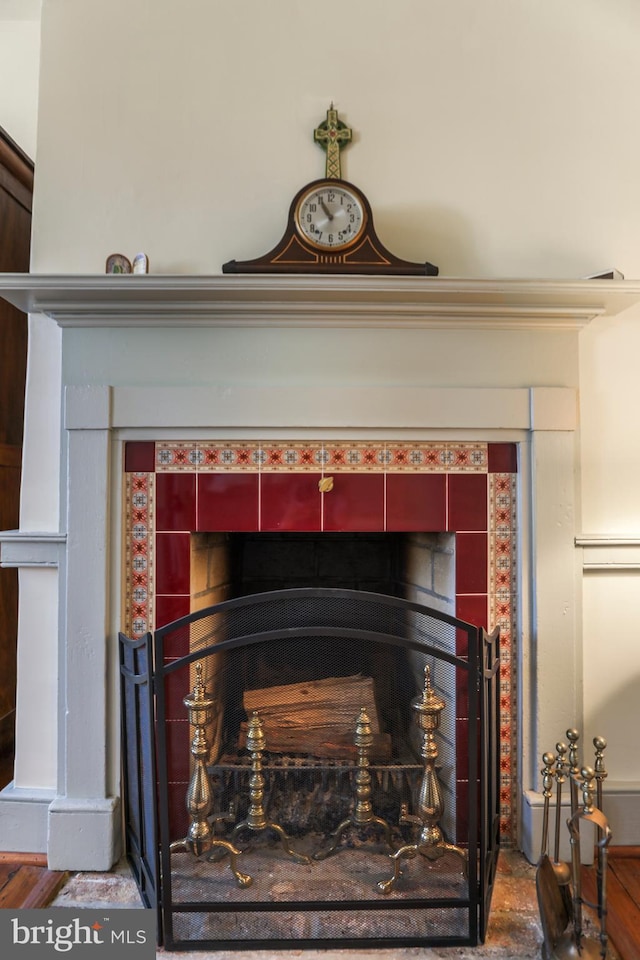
x=163 y=300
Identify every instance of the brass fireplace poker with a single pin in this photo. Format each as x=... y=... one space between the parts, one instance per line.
x=363 y=815
x=431 y=842
x=200 y=839
x=574 y=943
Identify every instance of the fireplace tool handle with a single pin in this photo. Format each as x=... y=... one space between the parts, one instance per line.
x=561 y=869
x=585 y=946
x=547 y=784
x=200 y=839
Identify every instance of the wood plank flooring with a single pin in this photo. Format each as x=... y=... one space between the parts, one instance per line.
x=26 y=882
x=623 y=899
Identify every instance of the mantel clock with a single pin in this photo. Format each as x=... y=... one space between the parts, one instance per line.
x=330 y=225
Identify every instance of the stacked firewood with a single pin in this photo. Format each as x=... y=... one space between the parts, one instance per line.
x=317 y=718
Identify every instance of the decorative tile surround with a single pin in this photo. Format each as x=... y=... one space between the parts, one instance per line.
x=173 y=489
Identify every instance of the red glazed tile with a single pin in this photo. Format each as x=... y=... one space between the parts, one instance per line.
x=416 y=501
x=175 y=501
x=178 y=755
x=173 y=563
x=290 y=501
x=503 y=458
x=462 y=693
x=472 y=609
x=462 y=811
x=178 y=815
x=471 y=562
x=175 y=690
x=467 y=494
x=169 y=609
x=139 y=456
x=462 y=749
x=355 y=503
x=228 y=501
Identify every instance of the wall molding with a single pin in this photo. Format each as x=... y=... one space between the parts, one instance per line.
x=604 y=553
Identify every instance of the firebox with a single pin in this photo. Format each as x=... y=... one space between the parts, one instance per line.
x=358 y=804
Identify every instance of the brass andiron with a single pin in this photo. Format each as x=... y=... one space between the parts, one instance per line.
x=363 y=815
x=431 y=842
x=200 y=838
x=257 y=820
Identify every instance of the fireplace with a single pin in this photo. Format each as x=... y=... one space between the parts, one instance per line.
x=431 y=522
x=325 y=553
x=165 y=380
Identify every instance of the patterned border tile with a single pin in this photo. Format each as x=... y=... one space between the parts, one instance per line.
x=502 y=613
x=231 y=457
x=139 y=524
x=281 y=457
x=335 y=456
x=177 y=457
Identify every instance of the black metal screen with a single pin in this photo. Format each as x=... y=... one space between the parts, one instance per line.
x=139 y=767
x=310 y=787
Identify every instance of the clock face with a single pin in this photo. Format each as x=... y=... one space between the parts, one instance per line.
x=330 y=216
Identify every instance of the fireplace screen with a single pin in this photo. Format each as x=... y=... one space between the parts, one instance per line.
x=313 y=766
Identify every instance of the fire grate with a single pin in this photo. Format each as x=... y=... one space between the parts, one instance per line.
x=197 y=766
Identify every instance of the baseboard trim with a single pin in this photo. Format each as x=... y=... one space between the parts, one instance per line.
x=621 y=808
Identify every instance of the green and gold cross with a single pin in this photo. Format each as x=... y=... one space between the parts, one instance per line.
x=332 y=134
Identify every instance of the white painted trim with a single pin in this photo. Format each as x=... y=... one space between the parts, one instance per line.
x=97 y=821
x=329 y=301
x=621 y=807
x=320 y=407
x=24 y=819
x=442 y=408
x=19 y=548
x=609 y=553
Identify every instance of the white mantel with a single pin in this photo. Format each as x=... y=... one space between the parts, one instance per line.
x=149 y=300
x=505 y=353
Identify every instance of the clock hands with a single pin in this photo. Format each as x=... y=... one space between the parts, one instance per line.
x=326 y=209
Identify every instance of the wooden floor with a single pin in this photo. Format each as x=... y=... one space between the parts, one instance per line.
x=25 y=881
x=623 y=899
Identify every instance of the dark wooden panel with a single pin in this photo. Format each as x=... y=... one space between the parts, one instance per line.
x=16 y=187
x=9 y=520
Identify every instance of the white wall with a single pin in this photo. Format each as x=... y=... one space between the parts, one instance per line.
x=494 y=139
x=19 y=69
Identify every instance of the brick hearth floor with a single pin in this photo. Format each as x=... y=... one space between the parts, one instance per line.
x=514 y=925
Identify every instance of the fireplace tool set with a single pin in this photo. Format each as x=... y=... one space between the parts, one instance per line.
x=201 y=840
x=559 y=884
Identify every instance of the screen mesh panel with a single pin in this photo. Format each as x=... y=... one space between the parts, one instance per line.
x=322 y=655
